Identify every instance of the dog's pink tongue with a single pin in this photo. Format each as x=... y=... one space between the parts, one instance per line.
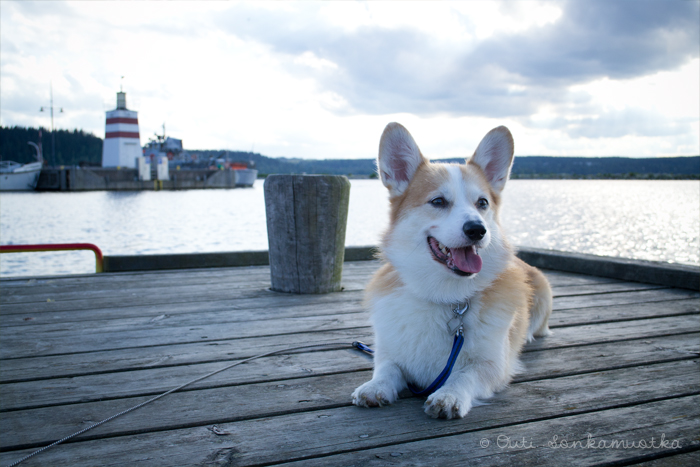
x=466 y=259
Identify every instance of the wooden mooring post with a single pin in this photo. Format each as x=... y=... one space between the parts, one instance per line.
x=306 y=221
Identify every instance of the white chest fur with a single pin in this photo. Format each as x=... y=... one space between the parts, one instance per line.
x=414 y=334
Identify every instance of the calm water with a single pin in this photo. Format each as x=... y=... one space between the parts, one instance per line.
x=653 y=220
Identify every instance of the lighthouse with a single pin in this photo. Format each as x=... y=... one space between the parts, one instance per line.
x=122 y=144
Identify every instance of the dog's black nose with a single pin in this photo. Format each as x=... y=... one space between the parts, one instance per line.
x=475 y=231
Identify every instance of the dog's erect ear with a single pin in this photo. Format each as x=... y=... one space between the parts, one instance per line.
x=495 y=156
x=399 y=157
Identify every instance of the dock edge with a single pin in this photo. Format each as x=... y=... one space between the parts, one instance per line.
x=650 y=272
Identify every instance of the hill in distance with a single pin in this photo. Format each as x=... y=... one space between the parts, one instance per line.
x=523 y=167
x=81 y=148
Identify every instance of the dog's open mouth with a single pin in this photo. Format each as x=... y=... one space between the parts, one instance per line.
x=463 y=261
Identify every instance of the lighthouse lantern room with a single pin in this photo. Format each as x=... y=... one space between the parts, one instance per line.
x=122 y=144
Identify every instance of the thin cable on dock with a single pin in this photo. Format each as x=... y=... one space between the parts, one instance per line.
x=240 y=362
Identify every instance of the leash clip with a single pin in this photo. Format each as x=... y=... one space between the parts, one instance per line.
x=461 y=312
x=456 y=324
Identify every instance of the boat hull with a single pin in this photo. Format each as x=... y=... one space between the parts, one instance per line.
x=24 y=178
x=245 y=177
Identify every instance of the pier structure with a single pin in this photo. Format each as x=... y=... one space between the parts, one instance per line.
x=615 y=384
x=122 y=144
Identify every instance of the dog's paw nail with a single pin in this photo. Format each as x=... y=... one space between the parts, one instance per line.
x=373 y=395
x=445 y=406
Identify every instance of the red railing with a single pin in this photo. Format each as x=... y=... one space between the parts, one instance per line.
x=99 y=260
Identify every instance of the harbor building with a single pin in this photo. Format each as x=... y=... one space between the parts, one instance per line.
x=162 y=164
x=122 y=144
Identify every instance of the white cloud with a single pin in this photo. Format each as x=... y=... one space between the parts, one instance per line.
x=322 y=79
x=673 y=93
x=311 y=60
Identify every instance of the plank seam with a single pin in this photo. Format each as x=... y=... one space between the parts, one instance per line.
x=210 y=342
x=626 y=319
x=449 y=435
x=340 y=347
x=515 y=381
x=571 y=413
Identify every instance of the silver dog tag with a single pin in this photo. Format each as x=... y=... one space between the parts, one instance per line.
x=454 y=324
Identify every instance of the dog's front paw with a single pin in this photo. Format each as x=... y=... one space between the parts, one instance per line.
x=445 y=404
x=374 y=394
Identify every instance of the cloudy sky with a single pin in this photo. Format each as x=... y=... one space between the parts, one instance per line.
x=321 y=79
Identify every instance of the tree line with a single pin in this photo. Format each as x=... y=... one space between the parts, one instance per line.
x=78 y=147
x=72 y=147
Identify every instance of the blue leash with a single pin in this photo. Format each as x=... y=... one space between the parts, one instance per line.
x=441 y=379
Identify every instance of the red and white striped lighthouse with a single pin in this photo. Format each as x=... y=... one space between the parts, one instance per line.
x=122 y=144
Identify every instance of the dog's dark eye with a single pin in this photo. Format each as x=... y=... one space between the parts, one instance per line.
x=439 y=202
x=483 y=203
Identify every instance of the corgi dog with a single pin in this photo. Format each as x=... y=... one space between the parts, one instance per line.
x=448 y=270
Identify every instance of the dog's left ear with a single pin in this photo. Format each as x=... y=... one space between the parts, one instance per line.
x=495 y=156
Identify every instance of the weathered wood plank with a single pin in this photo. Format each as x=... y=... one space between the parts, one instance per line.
x=102 y=346
x=539 y=364
x=267 y=299
x=129 y=279
x=308 y=430
x=232 y=290
x=243 y=299
x=230 y=345
x=58 y=290
x=119 y=335
x=181 y=293
x=179 y=354
x=98 y=362
x=610 y=299
x=602 y=288
x=203 y=446
x=266 y=319
x=588 y=439
x=577 y=316
x=60 y=321
x=608 y=332
x=35 y=368
x=111 y=284
x=70 y=341
x=170 y=277
x=201 y=312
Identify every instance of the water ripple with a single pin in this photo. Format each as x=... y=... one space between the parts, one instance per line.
x=652 y=220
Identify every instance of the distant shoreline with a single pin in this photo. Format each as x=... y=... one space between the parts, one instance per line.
x=80 y=148
x=556 y=176
x=628 y=176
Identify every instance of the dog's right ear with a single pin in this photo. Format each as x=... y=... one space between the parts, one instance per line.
x=495 y=156
x=399 y=158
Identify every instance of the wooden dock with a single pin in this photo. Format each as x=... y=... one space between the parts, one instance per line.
x=617 y=383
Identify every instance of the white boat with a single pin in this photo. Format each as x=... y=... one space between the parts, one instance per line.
x=21 y=177
x=245 y=177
